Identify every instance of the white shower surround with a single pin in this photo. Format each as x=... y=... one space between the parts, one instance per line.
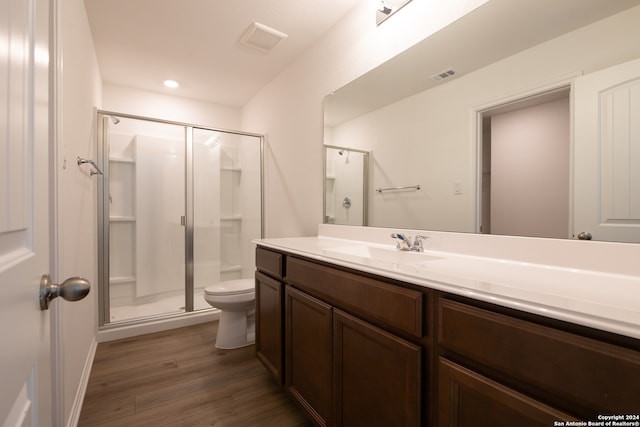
x=147 y=244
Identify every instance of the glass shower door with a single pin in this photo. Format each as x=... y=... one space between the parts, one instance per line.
x=227 y=212
x=179 y=206
x=146 y=173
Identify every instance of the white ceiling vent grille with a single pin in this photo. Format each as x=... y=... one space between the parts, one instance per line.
x=261 y=37
x=444 y=75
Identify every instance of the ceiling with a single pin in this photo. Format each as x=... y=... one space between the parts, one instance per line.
x=141 y=43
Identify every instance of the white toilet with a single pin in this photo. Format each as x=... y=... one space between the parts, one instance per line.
x=236 y=300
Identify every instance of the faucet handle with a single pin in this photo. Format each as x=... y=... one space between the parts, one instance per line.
x=417 y=242
x=403 y=242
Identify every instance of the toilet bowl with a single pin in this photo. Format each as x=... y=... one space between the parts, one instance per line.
x=236 y=301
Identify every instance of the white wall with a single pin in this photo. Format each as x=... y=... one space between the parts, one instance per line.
x=138 y=102
x=76 y=217
x=289 y=109
x=431 y=133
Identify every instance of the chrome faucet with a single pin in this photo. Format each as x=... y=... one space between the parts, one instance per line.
x=404 y=242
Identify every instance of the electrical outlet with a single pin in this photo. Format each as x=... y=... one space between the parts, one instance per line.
x=457 y=188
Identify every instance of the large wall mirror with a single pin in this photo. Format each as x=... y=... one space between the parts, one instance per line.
x=521 y=118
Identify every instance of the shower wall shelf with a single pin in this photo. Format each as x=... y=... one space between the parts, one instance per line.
x=123 y=279
x=122 y=219
x=122 y=160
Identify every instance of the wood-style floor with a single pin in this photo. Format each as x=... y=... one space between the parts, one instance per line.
x=178 y=378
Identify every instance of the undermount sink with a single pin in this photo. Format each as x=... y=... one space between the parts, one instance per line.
x=383 y=254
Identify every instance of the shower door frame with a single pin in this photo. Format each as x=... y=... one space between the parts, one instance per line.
x=104 y=302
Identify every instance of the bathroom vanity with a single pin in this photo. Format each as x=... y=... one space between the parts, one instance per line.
x=361 y=334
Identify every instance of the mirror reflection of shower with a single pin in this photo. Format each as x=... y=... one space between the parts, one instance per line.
x=180 y=205
x=346 y=186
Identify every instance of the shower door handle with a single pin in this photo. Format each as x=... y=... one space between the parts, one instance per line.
x=183 y=220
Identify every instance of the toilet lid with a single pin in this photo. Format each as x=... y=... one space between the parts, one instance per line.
x=231 y=287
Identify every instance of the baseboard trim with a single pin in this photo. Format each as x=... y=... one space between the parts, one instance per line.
x=76 y=409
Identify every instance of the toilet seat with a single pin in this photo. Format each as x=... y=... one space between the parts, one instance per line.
x=231 y=287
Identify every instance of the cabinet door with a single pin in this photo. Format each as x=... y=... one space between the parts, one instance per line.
x=269 y=324
x=569 y=371
x=466 y=398
x=308 y=353
x=376 y=375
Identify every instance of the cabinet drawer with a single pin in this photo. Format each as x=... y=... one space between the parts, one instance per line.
x=571 y=371
x=378 y=301
x=270 y=262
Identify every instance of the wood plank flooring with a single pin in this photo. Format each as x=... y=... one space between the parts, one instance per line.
x=178 y=378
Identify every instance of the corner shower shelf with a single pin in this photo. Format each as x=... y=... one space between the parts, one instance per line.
x=231 y=268
x=122 y=160
x=122 y=219
x=121 y=279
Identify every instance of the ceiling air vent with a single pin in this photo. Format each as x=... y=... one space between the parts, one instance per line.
x=261 y=37
x=444 y=75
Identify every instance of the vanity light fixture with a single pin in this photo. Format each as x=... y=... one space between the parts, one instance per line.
x=386 y=8
x=383 y=8
x=172 y=84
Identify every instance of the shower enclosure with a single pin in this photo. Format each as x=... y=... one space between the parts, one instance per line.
x=178 y=207
x=346 y=188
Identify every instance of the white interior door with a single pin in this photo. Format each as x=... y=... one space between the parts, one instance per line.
x=607 y=153
x=24 y=212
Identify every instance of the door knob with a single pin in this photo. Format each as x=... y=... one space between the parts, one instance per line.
x=72 y=289
x=584 y=235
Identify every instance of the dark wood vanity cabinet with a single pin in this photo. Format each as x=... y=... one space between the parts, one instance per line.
x=269 y=306
x=352 y=353
x=355 y=349
x=467 y=398
x=340 y=367
x=308 y=344
x=376 y=375
x=497 y=368
x=346 y=372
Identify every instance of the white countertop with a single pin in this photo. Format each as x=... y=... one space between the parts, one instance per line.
x=601 y=300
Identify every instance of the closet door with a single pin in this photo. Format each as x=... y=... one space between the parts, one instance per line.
x=607 y=153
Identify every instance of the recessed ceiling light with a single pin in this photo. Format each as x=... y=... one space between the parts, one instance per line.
x=171 y=84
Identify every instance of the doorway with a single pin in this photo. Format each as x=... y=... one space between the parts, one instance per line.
x=179 y=206
x=525 y=166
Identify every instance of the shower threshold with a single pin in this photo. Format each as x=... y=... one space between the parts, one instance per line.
x=166 y=305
